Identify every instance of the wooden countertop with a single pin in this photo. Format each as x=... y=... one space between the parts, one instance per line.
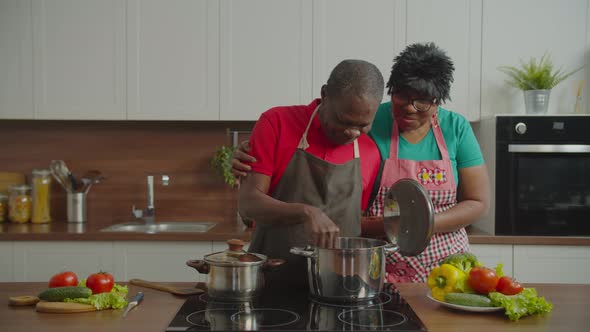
x=570 y=311
x=477 y=236
x=570 y=303
x=62 y=231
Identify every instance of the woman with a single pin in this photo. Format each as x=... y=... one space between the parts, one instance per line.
x=418 y=139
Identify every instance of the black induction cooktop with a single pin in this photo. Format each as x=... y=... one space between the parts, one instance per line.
x=295 y=310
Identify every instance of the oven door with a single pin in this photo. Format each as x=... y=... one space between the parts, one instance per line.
x=543 y=189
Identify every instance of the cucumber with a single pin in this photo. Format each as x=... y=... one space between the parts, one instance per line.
x=61 y=293
x=470 y=300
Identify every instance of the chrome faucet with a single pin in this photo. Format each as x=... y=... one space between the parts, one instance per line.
x=149 y=214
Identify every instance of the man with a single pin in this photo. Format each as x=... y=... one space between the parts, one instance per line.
x=314 y=170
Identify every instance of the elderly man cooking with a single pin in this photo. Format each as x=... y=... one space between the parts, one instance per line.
x=315 y=168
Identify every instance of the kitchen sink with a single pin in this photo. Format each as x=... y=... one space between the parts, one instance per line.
x=162 y=227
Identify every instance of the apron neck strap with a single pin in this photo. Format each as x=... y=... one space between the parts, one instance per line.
x=303 y=144
x=440 y=140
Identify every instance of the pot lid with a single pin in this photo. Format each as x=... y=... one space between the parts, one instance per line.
x=235 y=255
x=408 y=216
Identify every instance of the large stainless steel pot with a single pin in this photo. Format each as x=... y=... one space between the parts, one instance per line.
x=353 y=271
x=234 y=274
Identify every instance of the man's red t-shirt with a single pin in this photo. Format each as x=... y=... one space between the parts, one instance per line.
x=276 y=136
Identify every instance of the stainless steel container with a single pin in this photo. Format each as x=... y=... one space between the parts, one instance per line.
x=353 y=271
x=234 y=274
x=76 y=204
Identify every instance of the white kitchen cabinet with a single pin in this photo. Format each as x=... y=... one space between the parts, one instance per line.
x=455 y=26
x=155 y=261
x=552 y=264
x=79 y=59
x=159 y=261
x=39 y=260
x=6 y=262
x=492 y=254
x=265 y=56
x=16 y=60
x=518 y=30
x=349 y=29
x=218 y=246
x=173 y=60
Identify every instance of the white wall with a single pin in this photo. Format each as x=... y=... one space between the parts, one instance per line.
x=514 y=30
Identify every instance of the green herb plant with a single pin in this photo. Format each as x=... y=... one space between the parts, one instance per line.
x=533 y=75
x=221 y=163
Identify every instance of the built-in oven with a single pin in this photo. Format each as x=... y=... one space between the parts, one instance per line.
x=541 y=168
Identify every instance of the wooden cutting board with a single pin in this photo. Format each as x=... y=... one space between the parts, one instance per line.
x=63 y=307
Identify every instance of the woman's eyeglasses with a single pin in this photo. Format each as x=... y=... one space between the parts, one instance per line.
x=420 y=104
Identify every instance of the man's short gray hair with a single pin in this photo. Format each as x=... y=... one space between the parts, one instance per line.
x=356 y=77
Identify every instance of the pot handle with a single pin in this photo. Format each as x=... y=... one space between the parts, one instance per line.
x=272 y=263
x=305 y=252
x=390 y=248
x=199 y=265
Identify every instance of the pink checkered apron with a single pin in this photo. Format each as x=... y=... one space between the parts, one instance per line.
x=437 y=178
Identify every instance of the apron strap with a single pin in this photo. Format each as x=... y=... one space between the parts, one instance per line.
x=303 y=144
x=394 y=141
x=440 y=140
x=357 y=153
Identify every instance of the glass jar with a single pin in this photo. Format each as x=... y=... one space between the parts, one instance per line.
x=41 y=201
x=19 y=204
x=3 y=207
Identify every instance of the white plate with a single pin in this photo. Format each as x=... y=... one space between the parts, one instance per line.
x=464 y=307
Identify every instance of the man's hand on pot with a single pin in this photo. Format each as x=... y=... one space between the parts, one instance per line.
x=322 y=230
x=239 y=156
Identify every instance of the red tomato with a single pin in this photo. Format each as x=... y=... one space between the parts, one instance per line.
x=101 y=282
x=509 y=286
x=63 y=279
x=483 y=280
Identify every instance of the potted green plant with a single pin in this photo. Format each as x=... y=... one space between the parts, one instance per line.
x=536 y=79
x=221 y=163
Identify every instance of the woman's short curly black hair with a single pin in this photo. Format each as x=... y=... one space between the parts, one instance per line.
x=424 y=68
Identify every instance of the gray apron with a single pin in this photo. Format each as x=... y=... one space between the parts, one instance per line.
x=335 y=189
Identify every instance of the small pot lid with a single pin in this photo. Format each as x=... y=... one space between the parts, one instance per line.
x=235 y=255
x=408 y=217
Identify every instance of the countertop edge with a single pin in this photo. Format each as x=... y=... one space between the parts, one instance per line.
x=223 y=232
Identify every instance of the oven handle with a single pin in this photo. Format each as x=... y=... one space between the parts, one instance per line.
x=549 y=148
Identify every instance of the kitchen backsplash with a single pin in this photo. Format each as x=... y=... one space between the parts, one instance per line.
x=126 y=152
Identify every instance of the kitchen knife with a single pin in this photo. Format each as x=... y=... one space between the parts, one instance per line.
x=133 y=303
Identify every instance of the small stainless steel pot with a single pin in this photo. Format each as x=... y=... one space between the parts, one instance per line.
x=234 y=275
x=353 y=271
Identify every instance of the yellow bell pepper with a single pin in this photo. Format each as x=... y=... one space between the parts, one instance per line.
x=446 y=279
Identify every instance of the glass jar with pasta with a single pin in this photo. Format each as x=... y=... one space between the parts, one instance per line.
x=19 y=204
x=41 y=201
x=3 y=207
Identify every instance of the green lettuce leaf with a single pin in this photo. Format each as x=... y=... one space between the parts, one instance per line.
x=525 y=303
x=115 y=299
